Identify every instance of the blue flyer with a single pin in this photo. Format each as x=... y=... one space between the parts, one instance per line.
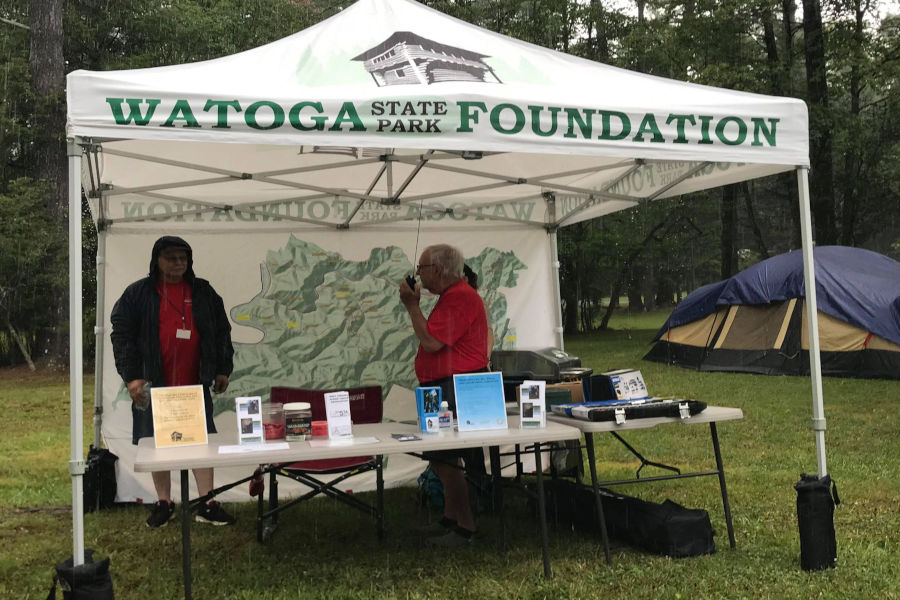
x=479 y=401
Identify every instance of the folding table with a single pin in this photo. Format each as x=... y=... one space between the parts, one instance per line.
x=185 y=458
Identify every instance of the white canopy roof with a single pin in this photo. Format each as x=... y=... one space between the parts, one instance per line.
x=389 y=103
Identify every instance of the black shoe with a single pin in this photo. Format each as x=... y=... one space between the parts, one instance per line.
x=214 y=514
x=162 y=513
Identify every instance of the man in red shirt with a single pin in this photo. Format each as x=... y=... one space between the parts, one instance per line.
x=452 y=340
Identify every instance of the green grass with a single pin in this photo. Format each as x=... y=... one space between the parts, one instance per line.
x=324 y=550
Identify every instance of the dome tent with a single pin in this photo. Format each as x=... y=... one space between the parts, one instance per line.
x=755 y=322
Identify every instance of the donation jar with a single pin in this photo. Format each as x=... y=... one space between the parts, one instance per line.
x=297 y=421
x=273 y=421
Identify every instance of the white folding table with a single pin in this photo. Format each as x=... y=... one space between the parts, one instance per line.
x=185 y=458
x=711 y=415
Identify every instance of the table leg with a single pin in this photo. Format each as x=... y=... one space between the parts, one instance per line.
x=497 y=492
x=379 y=484
x=186 y=534
x=589 y=443
x=542 y=509
x=721 y=469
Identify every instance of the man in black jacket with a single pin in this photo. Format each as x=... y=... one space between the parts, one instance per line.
x=170 y=328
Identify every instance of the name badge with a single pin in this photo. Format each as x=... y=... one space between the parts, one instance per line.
x=183 y=334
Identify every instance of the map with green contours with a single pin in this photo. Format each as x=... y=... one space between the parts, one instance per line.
x=328 y=322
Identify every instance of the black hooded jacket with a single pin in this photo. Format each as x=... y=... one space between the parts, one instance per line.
x=135 y=324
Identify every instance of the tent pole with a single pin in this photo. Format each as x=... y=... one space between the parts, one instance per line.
x=812 y=321
x=550 y=199
x=76 y=366
x=99 y=331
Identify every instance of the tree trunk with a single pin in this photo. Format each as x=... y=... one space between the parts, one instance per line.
x=754 y=224
x=46 y=65
x=21 y=345
x=625 y=271
x=728 y=251
x=850 y=191
x=822 y=172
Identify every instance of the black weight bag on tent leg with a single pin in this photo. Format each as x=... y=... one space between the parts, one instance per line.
x=99 y=479
x=88 y=581
x=816 y=499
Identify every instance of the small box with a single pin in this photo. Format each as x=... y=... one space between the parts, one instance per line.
x=576 y=388
x=621 y=384
x=428 y=405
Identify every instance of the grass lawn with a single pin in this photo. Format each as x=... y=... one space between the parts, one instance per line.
x=324 y=550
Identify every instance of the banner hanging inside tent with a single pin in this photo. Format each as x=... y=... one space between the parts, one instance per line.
x=320 y=309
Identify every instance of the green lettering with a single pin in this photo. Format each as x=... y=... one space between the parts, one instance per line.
x=467 y=117
x=222 y=107
x=277 y=115
x=181 y=112
x=680 y=120
x=318 y=121
x=606 y=121
x=584 y=124
x=347 y=113
x=759 y=127
x=519 y=115
x=704 y=129
x=536 y=120
x=134 y=112
x=649 y=126
x=741 y=132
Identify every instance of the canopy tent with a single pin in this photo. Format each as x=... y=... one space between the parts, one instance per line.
x=754 y=322
x=311 y=167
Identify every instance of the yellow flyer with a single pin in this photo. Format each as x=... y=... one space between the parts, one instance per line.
x=179 y=416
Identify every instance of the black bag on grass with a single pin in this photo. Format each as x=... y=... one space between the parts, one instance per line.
x=87 y=581
x=99 y=479
x=668 y=528
x=816 y=499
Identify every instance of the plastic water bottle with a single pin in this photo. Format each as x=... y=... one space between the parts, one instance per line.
x=445 y=417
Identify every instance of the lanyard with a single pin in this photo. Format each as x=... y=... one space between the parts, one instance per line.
x=183 y=310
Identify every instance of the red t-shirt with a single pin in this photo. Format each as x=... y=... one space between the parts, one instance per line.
x=459 y=321
x=180 y=356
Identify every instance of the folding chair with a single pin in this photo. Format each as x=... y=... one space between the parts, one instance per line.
x=365 y=407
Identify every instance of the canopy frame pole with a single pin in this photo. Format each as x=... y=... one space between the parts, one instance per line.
x=76 y=366
x=99 y=326
x=812 y=320
x=550 y=199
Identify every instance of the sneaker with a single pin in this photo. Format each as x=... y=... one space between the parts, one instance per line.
x=214 y=514
x=163 y=512
x=451 y=539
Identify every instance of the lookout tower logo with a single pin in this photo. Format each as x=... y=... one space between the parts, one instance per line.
x=405 y=58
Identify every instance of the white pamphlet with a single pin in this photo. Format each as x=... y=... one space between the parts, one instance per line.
x=249 y=419
x=533 y=404
x=337 y=411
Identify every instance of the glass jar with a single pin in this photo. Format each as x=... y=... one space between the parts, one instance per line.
x=297 y=421
x=273 y=421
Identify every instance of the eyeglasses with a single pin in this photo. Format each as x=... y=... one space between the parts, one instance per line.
x=174 y=257
x=420 y=267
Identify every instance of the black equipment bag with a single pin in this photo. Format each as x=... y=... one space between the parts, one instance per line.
x=606 y=411
x=87 y=581
x=668 y=528
x=99 y=479
x=816 y=499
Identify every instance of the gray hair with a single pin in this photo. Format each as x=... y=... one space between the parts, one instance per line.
x=448 y=258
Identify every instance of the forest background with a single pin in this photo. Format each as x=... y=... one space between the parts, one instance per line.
x=841 y=56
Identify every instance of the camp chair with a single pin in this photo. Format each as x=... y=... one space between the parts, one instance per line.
x=365 y=407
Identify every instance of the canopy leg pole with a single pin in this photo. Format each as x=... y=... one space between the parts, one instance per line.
x=76 y=366
x=550 y=199
x=812 y=321
x=99 y=330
